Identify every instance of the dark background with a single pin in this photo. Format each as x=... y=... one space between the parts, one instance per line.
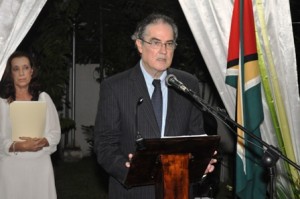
x=103 y=35
x=103 y=30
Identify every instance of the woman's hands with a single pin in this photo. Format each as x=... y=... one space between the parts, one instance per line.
x=30 y=144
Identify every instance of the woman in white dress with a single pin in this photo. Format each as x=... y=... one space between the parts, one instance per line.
x=26 y=170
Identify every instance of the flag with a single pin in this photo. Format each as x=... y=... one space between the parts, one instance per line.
x=210 y=24
x=243 y=74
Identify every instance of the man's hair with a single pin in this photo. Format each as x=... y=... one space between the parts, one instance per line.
x=154 y=19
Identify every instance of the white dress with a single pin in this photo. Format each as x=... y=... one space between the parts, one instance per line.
x=28 y=175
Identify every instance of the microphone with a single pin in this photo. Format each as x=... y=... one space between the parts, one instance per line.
x=139 y=139
x=171 y=80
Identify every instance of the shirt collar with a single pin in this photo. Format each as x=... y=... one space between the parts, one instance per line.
x=149 y=78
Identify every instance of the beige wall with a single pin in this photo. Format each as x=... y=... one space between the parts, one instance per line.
x=86 y=100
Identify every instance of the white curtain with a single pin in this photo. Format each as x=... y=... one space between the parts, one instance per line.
x=16 y=18
x=210 y=22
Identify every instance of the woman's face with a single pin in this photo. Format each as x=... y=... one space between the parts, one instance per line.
x=21 y=71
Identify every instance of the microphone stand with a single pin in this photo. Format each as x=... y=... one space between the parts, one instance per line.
x=140 y=145
x=271 y=155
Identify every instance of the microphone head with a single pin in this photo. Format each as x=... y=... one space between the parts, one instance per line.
x=172 y=81
x=169 y=78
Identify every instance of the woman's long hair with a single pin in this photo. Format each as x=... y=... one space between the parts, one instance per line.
x=7 y=88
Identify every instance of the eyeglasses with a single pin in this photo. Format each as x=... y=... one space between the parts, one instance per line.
x=156 y=44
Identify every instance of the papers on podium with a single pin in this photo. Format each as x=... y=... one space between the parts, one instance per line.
x=28 y=119
x=185 y=136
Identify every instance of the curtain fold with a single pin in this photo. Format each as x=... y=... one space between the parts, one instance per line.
x=16 y=19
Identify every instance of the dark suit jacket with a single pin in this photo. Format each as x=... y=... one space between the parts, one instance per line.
x=115 y=124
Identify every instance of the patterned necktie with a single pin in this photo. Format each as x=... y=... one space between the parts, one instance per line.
x=157 y=101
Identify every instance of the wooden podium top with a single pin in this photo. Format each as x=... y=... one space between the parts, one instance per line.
x=145 y=167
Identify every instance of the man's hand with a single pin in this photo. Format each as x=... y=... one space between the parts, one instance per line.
x=127 y=164
x=210 y=167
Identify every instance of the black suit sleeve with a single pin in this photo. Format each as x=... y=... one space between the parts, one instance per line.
x=107 y=134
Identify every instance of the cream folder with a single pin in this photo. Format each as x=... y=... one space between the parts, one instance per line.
x=28 y=119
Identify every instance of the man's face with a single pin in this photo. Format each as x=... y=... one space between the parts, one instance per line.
x=156 y=60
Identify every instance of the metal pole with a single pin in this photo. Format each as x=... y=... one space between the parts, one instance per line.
x=101 y=69
x=73 y=83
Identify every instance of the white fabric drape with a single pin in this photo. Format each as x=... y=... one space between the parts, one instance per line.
x=16 y=18
x=210 y=22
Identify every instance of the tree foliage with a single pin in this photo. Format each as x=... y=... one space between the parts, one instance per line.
x=103 y=35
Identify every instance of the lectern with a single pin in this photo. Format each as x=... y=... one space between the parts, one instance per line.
x=172 y=163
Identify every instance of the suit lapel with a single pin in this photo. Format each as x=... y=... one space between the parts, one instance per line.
x=146 y=109
x=172 y=110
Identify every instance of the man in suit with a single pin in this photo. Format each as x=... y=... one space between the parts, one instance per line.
x=115 y=126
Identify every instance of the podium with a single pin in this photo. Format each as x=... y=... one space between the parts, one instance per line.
x=171 y=164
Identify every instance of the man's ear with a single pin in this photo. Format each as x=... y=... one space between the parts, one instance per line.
x=139 y=44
